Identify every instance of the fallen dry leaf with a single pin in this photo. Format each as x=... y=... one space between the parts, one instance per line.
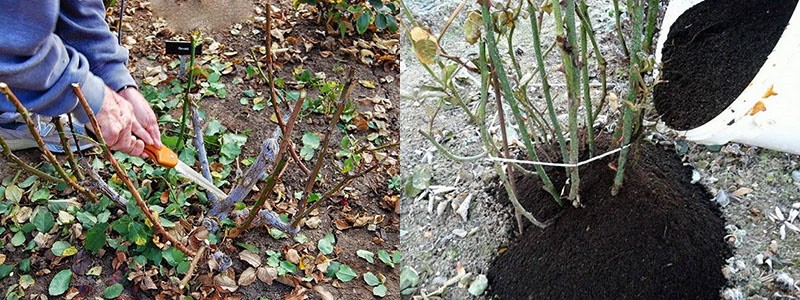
x=247 y=277
x=250 y=257
x=225 y=281
x=742 y=191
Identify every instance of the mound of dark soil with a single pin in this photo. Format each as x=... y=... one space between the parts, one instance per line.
x=660 y=238
x=712 y=53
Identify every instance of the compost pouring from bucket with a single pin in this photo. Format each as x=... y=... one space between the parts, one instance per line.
x=767 y=112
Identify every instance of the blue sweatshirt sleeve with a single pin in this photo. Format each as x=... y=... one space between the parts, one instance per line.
x=82 y=26
x=38 y=66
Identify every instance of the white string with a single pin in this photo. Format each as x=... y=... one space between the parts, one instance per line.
x=541 y=163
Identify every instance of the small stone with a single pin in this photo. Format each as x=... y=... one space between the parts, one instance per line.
x=773 y=246
x=740 y=264
x=759 y=259
x=460 y=232
x=722 y=198
x=479 y=285
x=732 y=294
x=695 y=176
x=796 y=175
x=784 y=282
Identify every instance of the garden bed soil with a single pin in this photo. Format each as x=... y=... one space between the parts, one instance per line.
x=712 y=53
x=659 y=238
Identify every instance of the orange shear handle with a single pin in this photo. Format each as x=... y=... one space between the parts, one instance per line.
x=164 y=156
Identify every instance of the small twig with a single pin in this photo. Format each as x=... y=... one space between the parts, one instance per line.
x=67 y=149
x=506 y=151
x=281 y=124
x=621 y=37
x=40 y=142
x=200 y=145
x=186 y=101
x=450 y=20
x=192 y=267
x=74 y=135
x=312 y=178
x=100 y=184
x=332 y=191
x=16 y=160
x=124 y=177
x=273 y=94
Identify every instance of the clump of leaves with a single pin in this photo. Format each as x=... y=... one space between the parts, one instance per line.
x=358 y=16
x=377 y=282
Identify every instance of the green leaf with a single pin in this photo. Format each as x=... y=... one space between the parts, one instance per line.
x=173 y=256
x=345 y=273
x=13 y=193
x=301 y=238
x=214 y=77
x=286 y=267
x=183 y=267
x=379 y=290
x=325 y=245
x=113 y=291
x=137 y=233
x=377 y=4
x=391 y=23
x=5 y=270
x=247 y=246
x=385 y=258
x=62 y=248
x=307 y=153
x=276 y=233
x=43 y=220
x=380 y=21
x=18 y=239
x=363 y=22
x=24 y=265
x=96 y=237
x=214 y=127
x=28 y=182
x=40 y=195
x=366 y=255
x=409 y=278
x=371 y=279
x=311 y=139
x=314 y=197
x=60 y=283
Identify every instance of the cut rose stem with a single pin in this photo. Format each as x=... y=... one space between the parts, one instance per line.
x=199 y=143
x=15 y=159
x=192 y=267
x=124 y=178
x=67 y=149
x=312 y=178
x=291 y=149
x=40 y=142
x=95 y=181
x=333 y=191
x=273 y=179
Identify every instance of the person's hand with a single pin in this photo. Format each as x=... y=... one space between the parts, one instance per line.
x=150 y=132
x=117 y=124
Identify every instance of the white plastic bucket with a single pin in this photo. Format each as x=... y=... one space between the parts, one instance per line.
x=767 y=112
